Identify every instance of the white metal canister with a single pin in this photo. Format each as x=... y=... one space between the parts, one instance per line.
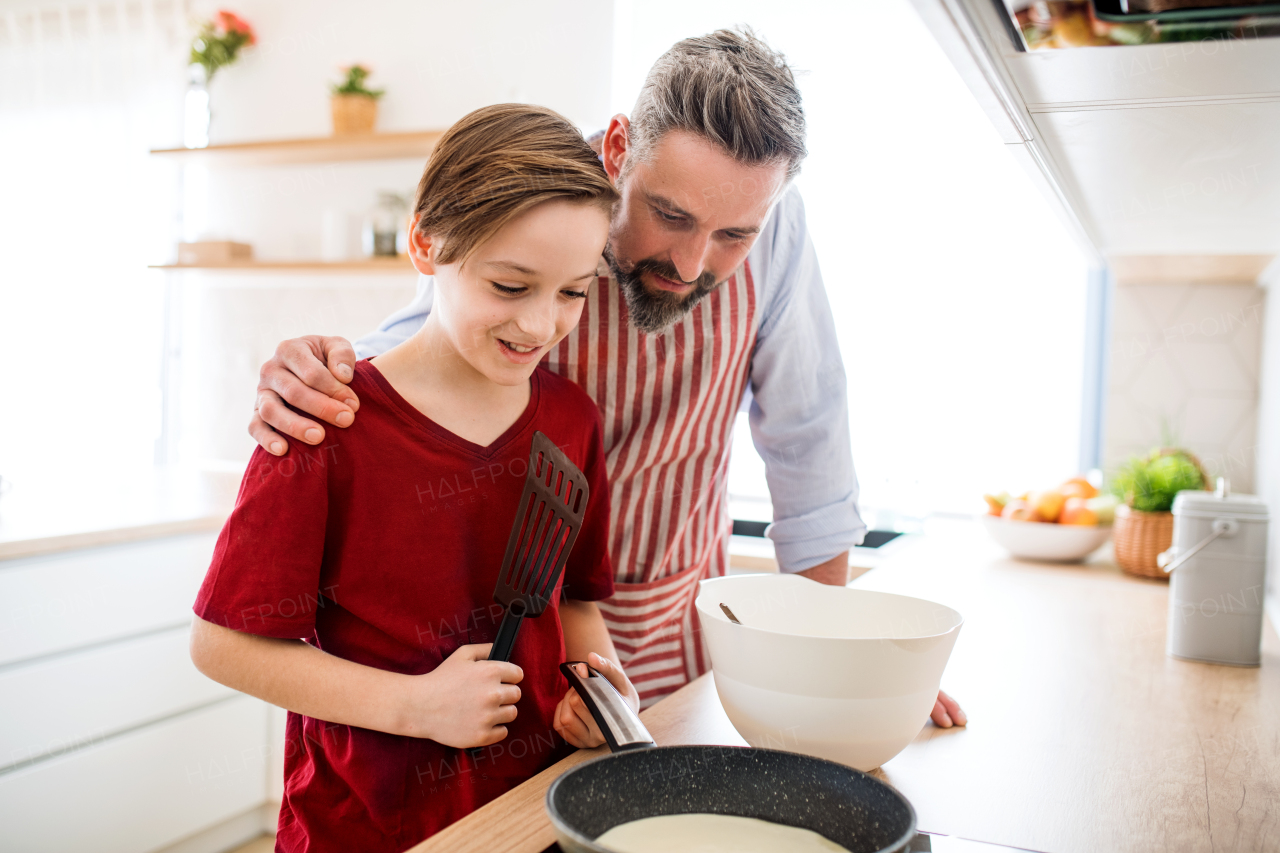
x=1218 y=561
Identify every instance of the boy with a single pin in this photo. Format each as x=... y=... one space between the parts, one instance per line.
x=381 y=551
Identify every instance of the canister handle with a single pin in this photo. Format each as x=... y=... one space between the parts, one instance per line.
x=1170 y=560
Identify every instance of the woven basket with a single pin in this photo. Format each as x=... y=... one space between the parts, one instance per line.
x=1140 y=536
x=353 y=114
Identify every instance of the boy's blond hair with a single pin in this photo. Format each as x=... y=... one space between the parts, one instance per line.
x=496 y=163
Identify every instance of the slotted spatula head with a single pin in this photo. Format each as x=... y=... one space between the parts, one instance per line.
x=545 y=528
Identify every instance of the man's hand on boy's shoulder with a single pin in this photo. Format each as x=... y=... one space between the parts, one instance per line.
x=310 y=374
x=573 y=720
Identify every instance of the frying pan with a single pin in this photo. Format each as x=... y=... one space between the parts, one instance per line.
x=640 y=780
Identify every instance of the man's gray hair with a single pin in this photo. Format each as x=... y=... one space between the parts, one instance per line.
x=730 y=88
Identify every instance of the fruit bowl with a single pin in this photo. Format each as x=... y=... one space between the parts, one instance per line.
x=1038 y=540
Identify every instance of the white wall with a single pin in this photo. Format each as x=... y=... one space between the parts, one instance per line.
x=88 y=86
x=232 y=324
x=437 y=61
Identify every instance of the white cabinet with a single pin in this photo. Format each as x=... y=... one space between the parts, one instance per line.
x=144 y=789
x=110 y=739
x=1147 y=150
x=55 y=603
x=1189 y=177
x=59 y=704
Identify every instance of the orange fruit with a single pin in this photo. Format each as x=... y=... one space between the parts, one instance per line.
x=1076 y=511
x=1047 y=504
x=1078 y=487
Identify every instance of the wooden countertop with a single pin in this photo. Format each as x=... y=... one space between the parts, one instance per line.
x=85 y=509
x=1083 y=734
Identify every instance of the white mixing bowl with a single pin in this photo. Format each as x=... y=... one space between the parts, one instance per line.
x=845 y=674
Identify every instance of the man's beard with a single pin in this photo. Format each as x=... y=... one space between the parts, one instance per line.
x=654 y=313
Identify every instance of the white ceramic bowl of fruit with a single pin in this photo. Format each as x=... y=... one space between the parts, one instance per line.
x=1062 y=525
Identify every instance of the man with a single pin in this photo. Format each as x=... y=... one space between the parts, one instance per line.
x=714 y=300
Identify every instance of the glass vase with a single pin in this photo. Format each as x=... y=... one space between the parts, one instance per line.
x=196 y=113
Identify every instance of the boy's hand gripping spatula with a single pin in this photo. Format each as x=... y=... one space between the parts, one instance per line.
x=543 y=533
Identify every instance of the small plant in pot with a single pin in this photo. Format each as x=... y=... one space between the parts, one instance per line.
x=1147 y=485
x=354 y=105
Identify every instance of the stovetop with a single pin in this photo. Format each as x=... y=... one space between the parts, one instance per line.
x=927 y=843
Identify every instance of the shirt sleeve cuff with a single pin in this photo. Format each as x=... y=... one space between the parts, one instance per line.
x=253 y=621
x=812 y=539
x=597 y=590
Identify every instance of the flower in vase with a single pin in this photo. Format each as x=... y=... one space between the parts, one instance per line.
x=220 y=41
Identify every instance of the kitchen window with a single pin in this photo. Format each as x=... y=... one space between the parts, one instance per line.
x=84 y=90
x=959 y=297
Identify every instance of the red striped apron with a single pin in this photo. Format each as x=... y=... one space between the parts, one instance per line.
x=668 y=404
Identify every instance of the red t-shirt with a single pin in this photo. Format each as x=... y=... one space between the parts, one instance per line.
x=382 y=547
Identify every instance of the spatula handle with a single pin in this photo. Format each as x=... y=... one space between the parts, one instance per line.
x=502 y=646
x=506 y=639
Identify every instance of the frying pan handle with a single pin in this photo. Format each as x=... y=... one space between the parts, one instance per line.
x=621 y=727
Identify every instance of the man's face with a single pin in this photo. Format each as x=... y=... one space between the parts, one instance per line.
x=687 y=218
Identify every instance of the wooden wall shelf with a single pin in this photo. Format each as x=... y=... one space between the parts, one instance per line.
x=399 y=264
x=373 y=146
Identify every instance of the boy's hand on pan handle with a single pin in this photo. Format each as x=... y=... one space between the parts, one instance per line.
x=572 y=719
x=310 y=374
x=947 y=712
x=466 y=701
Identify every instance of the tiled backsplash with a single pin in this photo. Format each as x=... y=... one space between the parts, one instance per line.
x=1184 y=363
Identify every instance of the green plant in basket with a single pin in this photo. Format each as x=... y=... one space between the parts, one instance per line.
x=354 y=83
x=1150 y=483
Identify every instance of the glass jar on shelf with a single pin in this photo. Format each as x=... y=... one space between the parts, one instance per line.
x=385 y=225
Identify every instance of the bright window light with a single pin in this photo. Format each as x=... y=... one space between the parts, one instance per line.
x=958 y=295
x=81 y=317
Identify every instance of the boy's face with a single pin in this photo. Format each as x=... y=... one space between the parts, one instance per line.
x=521 y=291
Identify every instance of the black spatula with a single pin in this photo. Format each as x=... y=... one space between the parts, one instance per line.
x=545 y=528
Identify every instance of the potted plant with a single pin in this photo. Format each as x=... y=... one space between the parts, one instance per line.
x=1146 y=486
x=354 y=105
